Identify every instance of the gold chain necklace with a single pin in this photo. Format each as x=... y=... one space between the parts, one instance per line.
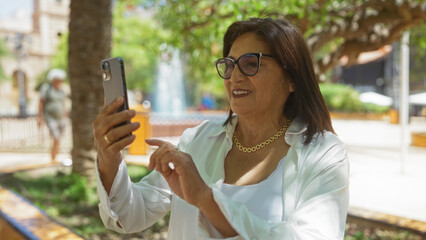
x=262 y=144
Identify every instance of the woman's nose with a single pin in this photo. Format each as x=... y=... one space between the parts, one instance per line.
x=237 y=75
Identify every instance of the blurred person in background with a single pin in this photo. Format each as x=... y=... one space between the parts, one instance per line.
x=52 y=108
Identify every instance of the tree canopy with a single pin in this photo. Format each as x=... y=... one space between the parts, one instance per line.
x=332 y=28
x=136 y=38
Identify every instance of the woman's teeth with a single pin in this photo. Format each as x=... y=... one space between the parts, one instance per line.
x=240 y=92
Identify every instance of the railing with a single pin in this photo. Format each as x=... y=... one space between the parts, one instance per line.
x=24 y=134
x=166 y=125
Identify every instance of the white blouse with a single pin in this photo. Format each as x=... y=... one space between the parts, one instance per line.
x=263 y=199
x=315 y=190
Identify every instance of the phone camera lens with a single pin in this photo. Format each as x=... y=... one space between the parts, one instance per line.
x=106 y=74
x=105 y=66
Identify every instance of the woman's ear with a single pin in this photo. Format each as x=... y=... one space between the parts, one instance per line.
x=291 y=86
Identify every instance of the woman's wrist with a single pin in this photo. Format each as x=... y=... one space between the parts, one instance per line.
x=212 y=212
x=107 y=173
x=206 y=201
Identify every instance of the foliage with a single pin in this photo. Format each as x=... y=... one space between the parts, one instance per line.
x=374 y=108
x=60 y=59
x=41 y=79
x=418 y=39
x=54 y=193
x=197 y=27
x=3 y=53
x=365 y=231
x=136 y=173
x=418 y=58
x=137 y=39
x=70 y=199
x=332 y=28
x=343 y=98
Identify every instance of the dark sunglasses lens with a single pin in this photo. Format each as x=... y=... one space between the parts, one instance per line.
x=249 y=64
x=225 y=68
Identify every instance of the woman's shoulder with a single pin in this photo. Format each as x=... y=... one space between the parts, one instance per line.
x=325 y=148
x=323 y=142
x=327 y=138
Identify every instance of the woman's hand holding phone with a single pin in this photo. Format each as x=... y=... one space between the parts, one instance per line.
x=111 y=137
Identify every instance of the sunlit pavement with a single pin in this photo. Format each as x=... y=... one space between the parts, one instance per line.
x=10 y=161
x=378 y=182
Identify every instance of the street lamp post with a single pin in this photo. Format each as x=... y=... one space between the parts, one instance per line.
x=404 y=113
x=20 y=54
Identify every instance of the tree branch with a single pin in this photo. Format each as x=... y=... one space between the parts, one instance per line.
x=389 y=14
x=371 y=31
x=353 y=48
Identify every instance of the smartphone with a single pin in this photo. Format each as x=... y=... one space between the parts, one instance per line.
x=114 y=82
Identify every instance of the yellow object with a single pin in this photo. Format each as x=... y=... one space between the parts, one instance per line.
x=418 y=139
x=139 y=147
x=394 y=116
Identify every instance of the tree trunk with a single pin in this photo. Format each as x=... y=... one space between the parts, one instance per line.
x=89 y=43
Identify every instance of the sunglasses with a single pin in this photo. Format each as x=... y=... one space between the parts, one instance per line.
x=248 y=64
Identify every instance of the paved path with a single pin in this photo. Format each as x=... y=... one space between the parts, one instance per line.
x=376 y=181
x=379 y=181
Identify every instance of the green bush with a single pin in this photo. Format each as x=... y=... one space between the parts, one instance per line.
x=70 y=199
x=373 y=108
x=343 y=98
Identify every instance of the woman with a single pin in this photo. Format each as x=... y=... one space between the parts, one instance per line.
x=273 y=170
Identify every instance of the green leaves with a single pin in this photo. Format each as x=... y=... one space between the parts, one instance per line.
x=60 y=59
x=136 y=38
x=343 y=98
x=3 y=53
x=333 y=29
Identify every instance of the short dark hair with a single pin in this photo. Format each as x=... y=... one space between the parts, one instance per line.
x=287 y=44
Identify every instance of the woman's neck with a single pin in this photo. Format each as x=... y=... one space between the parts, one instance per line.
x=251 y=130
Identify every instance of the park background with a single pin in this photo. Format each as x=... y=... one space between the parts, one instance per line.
x=169 y=48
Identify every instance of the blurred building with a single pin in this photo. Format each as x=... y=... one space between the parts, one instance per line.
x=378 y=72
x=31 y=38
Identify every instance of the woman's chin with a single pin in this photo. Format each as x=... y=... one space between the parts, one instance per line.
x=241 y=111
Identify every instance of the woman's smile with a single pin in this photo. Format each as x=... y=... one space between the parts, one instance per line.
x=238 y=93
